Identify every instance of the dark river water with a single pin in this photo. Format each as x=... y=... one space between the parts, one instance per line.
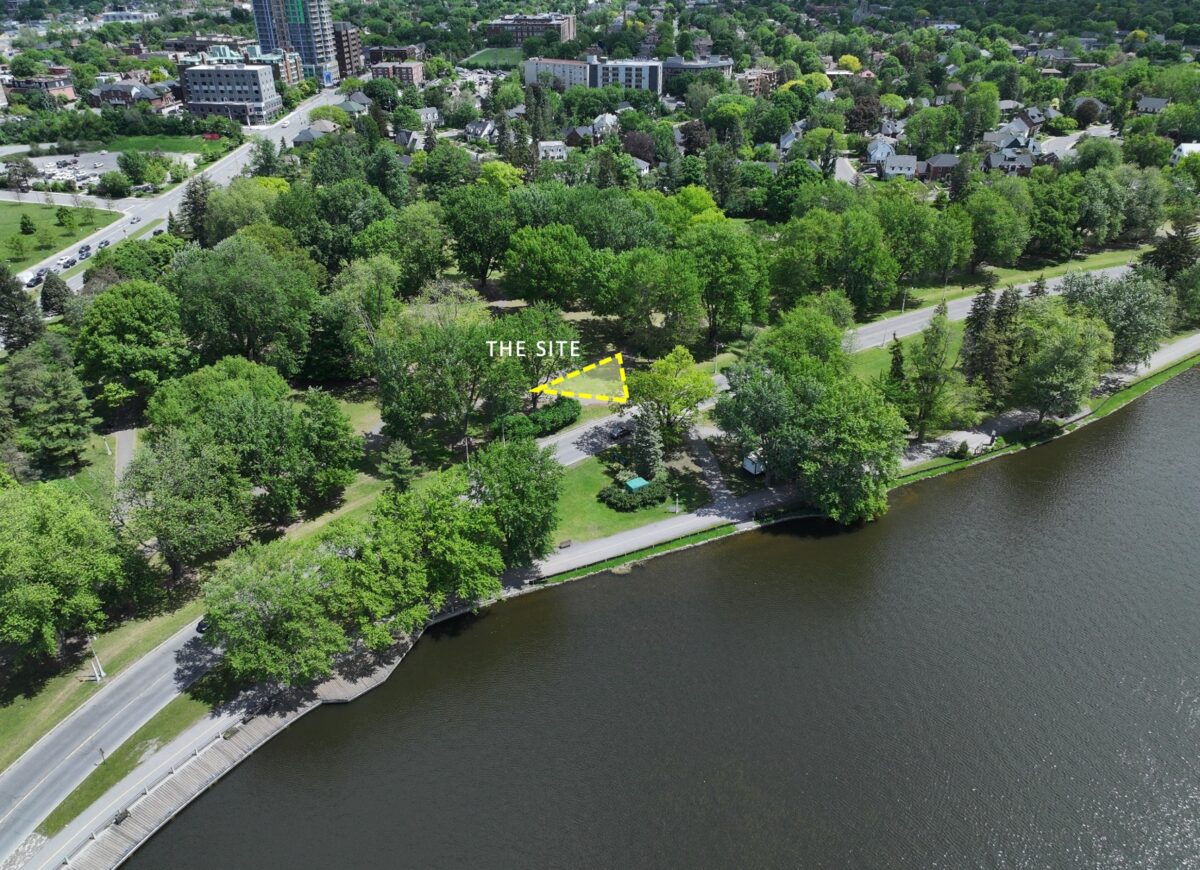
x=1003 y=672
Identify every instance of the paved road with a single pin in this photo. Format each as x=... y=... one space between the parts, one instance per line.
x=39 y=780
x=221 y=173
x=878 y=334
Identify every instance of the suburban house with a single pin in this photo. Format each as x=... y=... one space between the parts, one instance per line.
x=1151 y=105
x=1100 y=106
x=939 y=166
x=482 y=131
x=899 y=166
x=792 y=136
x=1011 y=161
x=123 y=94
x=606 y=125
x=411 y=140
x=430 y=117
x=878 y=151
x=578 y=137
x=1184 y=149
x=552 y=149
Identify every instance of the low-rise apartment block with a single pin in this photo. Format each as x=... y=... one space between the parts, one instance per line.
x=244 y=93
x=522 y=27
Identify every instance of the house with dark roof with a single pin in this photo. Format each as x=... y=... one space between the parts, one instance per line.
x=578 y=137
x=1151 y=105
x=899 y=166
x=411 y=140
x=1100 y=106
x=126 y=93
x=939 y=166
x=1011 y=161
x=430 y=117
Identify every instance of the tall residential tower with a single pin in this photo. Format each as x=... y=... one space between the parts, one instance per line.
x=303 y=26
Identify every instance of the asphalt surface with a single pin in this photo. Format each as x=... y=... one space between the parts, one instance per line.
x=221 y=173
x=37 y=782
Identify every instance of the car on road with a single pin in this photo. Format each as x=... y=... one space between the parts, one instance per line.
x=42 y=271
x=69 y=262
x=158 y=232
x=104 y=244
x=83 y=255
x=103 y=152
x=85 y=247
x=97 y=165
x=202 y=626
x=135 y=220
x=34 y=281
x=284 y=122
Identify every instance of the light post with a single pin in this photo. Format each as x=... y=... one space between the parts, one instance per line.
x=97 y=667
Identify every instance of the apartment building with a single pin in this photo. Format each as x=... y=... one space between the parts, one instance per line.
x=677 y=66
x=242 y=92
x=597 y=72
x=519 y=28
x=408 y=72
x=303 y=26
x=347 y=45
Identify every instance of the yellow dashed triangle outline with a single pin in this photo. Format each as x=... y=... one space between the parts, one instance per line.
x=570 y=394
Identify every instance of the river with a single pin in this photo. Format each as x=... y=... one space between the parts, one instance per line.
x=1004 y=671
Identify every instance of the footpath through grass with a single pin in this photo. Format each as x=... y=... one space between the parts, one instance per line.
x=168 y=723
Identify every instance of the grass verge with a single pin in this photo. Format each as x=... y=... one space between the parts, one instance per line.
x=45 y=218
x=637 y=555
x=168 y=723
x=25 y=719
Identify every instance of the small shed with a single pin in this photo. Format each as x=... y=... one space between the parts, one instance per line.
x=634 y=484
x=754 y=464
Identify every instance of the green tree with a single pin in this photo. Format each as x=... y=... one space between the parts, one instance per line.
x=134 y=164
x=396 y=465
x=1061 y=358
x=1136 y=309
x=130 y=341
x=669 y=391
x=656 y=296
x=270 y=611
x=733 y=280
x=55 y=294
x=415 y=238
x=647 y=448
x=28 y=228
x=114 y=185
x=237 y=298
x=18 y=248
x=998 y=231
x=193 y=210
x=933 y=377
x=548 y=264
x=184 y=494
x=980 y=112
x=868 y=271
x=481 y=224
x=520 y=483
x=535 y=323
x=59 y=424
x=59 y=563
x=329 y=445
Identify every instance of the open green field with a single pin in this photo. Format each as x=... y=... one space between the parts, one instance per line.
x=165 y=144
x=26 y=718
x=45 y=216
x=874 y=361
x=495 y=58
x=167 y=724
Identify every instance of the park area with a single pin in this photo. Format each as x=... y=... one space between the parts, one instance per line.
x=49 y=228
x=494 y=58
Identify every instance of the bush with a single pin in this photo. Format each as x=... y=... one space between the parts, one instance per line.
x=962 y=451
x=544 y=421
x=618 y=497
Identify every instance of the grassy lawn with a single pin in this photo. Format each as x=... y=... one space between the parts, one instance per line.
x=168 y=723
x=601 y=381
x=1026 y=274
x=583 y=517
x=873 y=361
x=495 y=58
x=25 y=719
x=668 y=546
x=44 y=216
x=96 y=479
x=166 y=144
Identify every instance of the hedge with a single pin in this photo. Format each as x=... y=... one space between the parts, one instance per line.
x=544 y=421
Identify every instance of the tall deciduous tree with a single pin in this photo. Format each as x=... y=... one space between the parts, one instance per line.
x=481 y=223
x=1061 y=358
x=59 y=563
x=130 y=341
x=186 y=495
x=734 y=288
x=669 y=391
x=520 y=483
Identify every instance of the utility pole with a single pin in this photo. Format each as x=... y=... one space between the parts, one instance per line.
x=97 y=667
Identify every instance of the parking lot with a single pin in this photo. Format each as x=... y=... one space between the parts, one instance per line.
x=90 y=166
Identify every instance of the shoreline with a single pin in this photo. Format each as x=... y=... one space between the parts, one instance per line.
x=108 y=845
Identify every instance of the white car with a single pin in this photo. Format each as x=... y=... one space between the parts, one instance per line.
x=135 y=220
x=284 y=122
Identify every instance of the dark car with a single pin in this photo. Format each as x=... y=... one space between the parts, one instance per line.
x=83 y=255
x=69 y=262
x=158 y=232
x=202 y=626
x=104 y=244
x=34 y=281
x=42 y=271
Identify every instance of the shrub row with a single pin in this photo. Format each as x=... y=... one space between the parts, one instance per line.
x=544 y=421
